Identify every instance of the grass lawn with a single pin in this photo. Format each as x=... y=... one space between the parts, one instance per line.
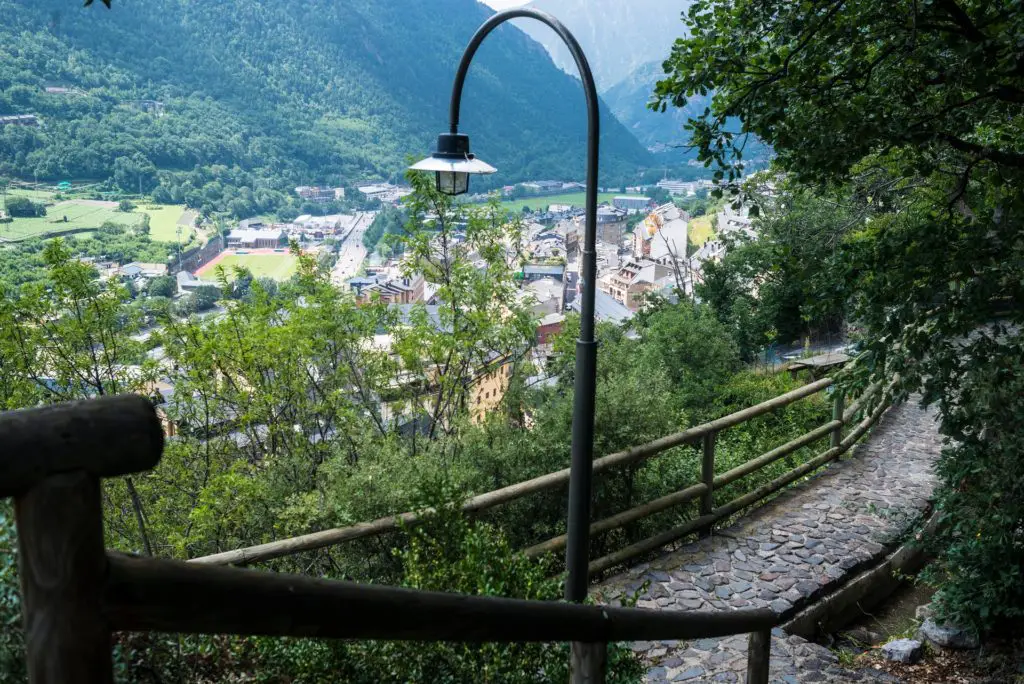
x=701 y=229
x=80 y=214
x=163 y=221
x=576 y=199
x=276 y=266
x=34 y=195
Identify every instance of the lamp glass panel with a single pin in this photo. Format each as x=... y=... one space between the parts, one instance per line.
x=452 y=182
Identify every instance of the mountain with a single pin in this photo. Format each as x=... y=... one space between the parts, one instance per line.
x=619 y=37
x=271 y=93
x=655 y=130
x=662 y=132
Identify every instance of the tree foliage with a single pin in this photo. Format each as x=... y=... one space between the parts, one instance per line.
x=910 y=113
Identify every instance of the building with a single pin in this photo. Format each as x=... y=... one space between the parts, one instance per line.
x=631 y=283
x=314 y=193
x=547 y=296
x=533 y=272
x=549 y=326
x=388 y=290
x=149 y=106
x=684 y=188
x=384 y=192
x=19 y=120
x=732 y=222
x=139 y=269
x=606 y=309
x=662 y=236
x=632 y=204
x=257 y=238
x=611 y=224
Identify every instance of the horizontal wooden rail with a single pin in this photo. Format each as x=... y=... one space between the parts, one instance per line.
x=668 y=536
x=105 y=437
x=621 y=519
x=481 y=502
x=171 y=596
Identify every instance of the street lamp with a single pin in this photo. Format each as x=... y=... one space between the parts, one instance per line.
x=453 y=163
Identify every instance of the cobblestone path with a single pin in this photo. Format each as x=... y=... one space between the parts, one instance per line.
x=784 y=555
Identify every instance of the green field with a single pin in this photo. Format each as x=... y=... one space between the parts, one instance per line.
x=702 y=229
x=576 y=199
x=163 y=221
x=79 y=213
x=276 y=266
x=34 y=195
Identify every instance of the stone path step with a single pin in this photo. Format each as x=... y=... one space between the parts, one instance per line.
x=784 y=555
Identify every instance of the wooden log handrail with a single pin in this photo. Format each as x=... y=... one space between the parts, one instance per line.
x=487 y=500
x=146 y=594
x=105 y=437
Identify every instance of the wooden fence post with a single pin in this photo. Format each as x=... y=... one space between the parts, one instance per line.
x=758 y=656
x=589 y=663
x=707 y=477
x=63 y=567
x=838 y=408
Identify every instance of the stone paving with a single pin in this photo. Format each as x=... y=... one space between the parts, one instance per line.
x=786 y=554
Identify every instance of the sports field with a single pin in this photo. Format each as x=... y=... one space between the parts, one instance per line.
x=79 y=213
x=279 y=265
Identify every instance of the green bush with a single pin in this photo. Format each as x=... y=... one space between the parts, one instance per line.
x=980 y=540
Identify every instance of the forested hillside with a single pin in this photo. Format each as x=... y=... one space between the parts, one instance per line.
x=265 y=94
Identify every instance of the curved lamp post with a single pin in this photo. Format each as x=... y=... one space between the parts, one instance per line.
x=453 y=163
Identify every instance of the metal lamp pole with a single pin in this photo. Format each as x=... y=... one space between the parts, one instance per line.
x=585 y=657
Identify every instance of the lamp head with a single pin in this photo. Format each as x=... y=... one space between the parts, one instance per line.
x=453 y=163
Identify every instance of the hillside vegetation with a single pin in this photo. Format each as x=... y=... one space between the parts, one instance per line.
x=257 y=96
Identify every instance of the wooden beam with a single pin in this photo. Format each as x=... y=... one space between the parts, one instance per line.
x=588 y=663
x=759 y=657
x=63 y=566
x=105 y=437
x=147 y=594
x=621 y=519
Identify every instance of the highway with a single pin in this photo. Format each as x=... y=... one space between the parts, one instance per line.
x=352 y=252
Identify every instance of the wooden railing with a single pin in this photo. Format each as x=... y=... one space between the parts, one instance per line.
x=705 y=434
x=75 y=593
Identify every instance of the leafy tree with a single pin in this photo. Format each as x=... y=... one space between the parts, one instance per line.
x=125 y=206
x=910 y=112
x=18 y=206
x=164 y=286
x=786 y=283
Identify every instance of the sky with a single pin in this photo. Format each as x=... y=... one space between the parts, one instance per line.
x=504 y=4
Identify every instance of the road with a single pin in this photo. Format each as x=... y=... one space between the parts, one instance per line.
x=352 y=252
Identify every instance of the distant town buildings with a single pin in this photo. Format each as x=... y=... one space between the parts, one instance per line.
x=632 y=204
x=662 y=236
x=321 y=195
x=388 y=289
x=257 y=237
x=684 y=188
x=384 y=192
x=611 y=224
x=532 y=272
x=154 y=107
x=19 y=120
